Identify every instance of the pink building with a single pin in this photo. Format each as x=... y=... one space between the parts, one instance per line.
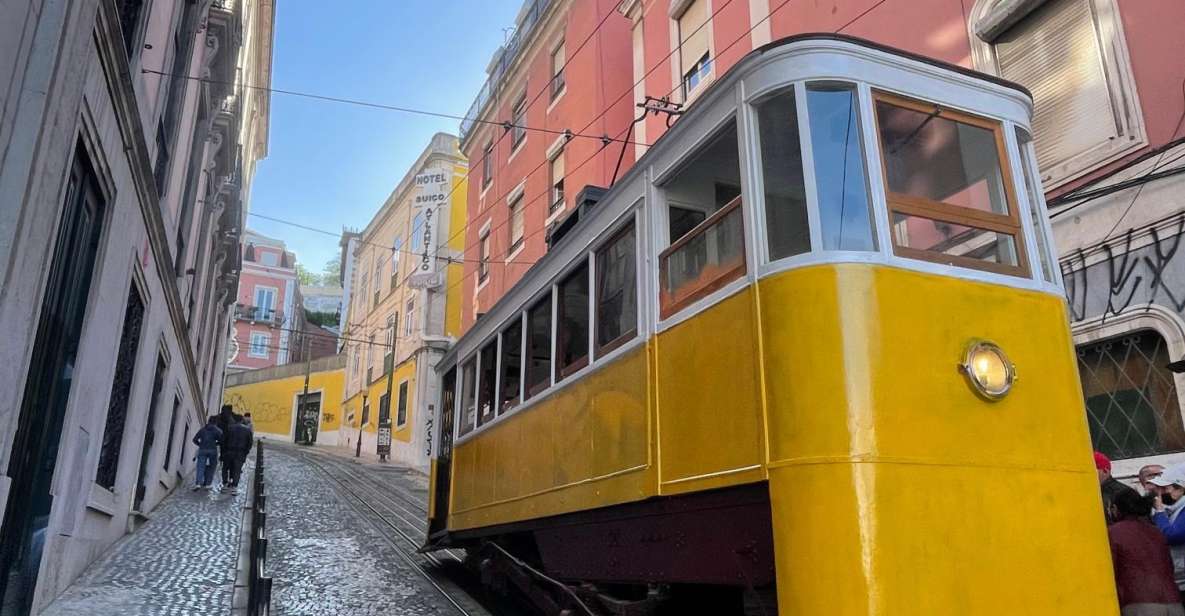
x=268 y=312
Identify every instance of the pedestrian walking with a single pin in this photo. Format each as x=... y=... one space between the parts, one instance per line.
x=1111 y=487
x=1167 y=506
x=1143 y=567
x=226 y=419
x=207 y=440
x=238 y=444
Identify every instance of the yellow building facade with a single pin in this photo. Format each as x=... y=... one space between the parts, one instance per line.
x=282 y=408
x=402 y=303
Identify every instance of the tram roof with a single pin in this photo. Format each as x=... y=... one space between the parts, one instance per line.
x=726 y=80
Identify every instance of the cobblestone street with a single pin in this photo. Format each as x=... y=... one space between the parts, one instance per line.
x=180 y=563
x=324 y=558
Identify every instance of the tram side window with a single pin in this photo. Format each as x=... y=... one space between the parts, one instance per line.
x=539 y=347
x=710 y=253
x=788 y=229
x=845 y=216
x=617 y=292
x=468 y=409
x=512 y=361
x=488 y=367
x=572 y=324
x=949 y=195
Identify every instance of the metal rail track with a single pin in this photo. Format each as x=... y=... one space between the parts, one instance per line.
x=429 y=566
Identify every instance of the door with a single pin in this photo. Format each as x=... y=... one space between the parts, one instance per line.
x=47 y=389
x=308 y=418
x=444 y=453
x=158 y=383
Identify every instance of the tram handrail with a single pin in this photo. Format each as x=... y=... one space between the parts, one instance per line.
x=709 y=278
x=259 y=587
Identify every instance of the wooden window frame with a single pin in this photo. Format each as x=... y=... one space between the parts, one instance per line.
x=667 y=308
x=601 y=350
x=580 y=362
x=1007 y=224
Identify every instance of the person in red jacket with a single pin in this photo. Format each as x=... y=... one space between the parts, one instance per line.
x=1143 y=567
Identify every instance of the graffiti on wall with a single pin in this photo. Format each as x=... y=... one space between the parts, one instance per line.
x=263 y=413
x=1126 y=278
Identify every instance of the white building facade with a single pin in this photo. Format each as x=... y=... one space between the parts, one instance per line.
x=127 y=147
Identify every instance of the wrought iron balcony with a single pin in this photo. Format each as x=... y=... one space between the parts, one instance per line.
x=258 y=314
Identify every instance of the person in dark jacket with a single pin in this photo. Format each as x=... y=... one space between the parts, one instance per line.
x=1110 y=486
x=226 y=418
x=238 y=444
x=207 y=440
x=1143 y=567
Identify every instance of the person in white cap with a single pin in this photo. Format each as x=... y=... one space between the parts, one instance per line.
x=1166 y=514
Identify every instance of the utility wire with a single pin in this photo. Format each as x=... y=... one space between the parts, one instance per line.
x=349 y=101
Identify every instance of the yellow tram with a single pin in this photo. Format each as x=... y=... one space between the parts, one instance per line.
x=779 y=358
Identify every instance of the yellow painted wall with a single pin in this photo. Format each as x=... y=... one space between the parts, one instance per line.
x=273 y=402
x=456 y=242
x=353 y=404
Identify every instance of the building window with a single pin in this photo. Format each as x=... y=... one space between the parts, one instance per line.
x=487 y=367
x=378 y=276
x=512 y=362
x=1131 y=397
x=539 y=347
x=516 y=224
x=1072 y=57
x=269 y=258
x=487 y=164
x=949 y=194
x=617 y=292
x=572 y=322
x=409 y=317
x=518 y=119
x=557 y=183
x=468 y=419
x=121 y=390
x=396 y=251
x=392 y=323
x=249 y=252
x=260 y=344
x=483 y=257
x=265 y=302
x=401 y=410
x=557 y=71
x=695 y=59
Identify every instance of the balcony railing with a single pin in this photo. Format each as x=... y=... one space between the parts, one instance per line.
x=705 y=259
x=259 y=314
x=509 y=52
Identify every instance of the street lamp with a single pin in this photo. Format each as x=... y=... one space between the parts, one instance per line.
x=361 y=418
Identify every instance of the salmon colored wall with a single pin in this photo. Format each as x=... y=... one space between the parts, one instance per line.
x=598 y=77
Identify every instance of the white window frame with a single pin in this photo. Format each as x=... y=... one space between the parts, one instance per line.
x=675 y=11
x=483 y=256
x=409 y=316
x=1117 y=74
x=557 y=76
x=407 y=404
x=275 y=292
x=265 y=345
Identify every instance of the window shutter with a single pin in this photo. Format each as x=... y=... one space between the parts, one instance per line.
x=1055 y=53
x=694 y=38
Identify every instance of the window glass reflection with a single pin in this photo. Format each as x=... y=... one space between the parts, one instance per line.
x=840 y=181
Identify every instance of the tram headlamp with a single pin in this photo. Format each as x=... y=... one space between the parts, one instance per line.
x=988 y=369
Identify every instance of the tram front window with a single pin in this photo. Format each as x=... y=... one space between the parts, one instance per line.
x=950 y=198
x=844 y=212
x=786 y=219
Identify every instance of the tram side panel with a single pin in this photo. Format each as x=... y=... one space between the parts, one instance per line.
x=583 y=447
x=897 y=490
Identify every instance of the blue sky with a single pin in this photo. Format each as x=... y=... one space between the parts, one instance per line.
x=331 y=164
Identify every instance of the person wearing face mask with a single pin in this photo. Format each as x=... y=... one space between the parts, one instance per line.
x=1166 y=508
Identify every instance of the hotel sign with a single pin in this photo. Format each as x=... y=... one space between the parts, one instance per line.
x=432 y=191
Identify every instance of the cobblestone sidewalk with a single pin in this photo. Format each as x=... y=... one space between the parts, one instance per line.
x=325 y=559
x=181 y=562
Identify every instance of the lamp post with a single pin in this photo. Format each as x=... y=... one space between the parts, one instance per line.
x=361 y=419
